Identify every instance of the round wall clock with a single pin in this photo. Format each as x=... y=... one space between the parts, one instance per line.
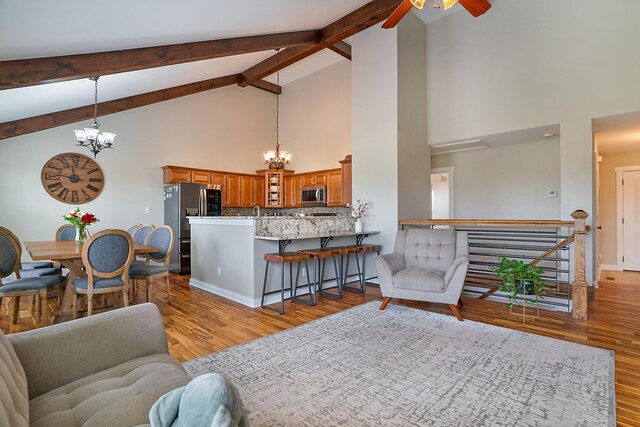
x=72 y=178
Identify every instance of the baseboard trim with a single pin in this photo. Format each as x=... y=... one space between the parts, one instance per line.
x=611 y=267
x=225 y=293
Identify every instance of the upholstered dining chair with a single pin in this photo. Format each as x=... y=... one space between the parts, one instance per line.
x=132 y=230
x=31 y=268
x=140 y=236
x=10 y=253
x=106 y=256
x=426 y=265
x=160 y=238
x=68 y=232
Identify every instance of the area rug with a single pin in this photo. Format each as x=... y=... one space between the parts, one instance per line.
x=408 y=367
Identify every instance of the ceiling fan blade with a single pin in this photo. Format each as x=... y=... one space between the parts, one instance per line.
x=397 y=14
x=476 y=7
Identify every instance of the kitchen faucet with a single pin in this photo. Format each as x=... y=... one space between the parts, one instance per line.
x=254 y=211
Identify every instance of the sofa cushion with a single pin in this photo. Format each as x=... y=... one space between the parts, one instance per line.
x=14 y=400
x=119 y=396
x=430 y=249
x=419 y=279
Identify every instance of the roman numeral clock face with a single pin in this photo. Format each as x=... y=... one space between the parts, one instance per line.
x=72 y=178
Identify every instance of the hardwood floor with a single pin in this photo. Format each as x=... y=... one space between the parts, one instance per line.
x=199 y=323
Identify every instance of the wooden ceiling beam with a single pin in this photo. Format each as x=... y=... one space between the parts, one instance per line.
x=268 y=86
x=360 y=19
x=60 y=118
x=342 y=49
x=29 y=72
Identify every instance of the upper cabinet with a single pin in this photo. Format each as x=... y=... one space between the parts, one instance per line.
x=334 y=188
x=277 y=188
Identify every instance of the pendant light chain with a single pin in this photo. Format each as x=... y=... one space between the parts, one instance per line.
x=278 y=100
x=95 y=103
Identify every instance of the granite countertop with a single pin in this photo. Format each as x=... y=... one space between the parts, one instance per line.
x=316 y=235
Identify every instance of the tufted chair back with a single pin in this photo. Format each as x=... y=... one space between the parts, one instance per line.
x=429 y=249
x=161 y=238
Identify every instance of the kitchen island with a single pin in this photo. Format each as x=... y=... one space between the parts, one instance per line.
x=227 y=253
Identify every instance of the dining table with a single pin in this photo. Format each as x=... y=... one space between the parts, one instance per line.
x=69 y=254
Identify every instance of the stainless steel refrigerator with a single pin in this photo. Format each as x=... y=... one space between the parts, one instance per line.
x=180 y=202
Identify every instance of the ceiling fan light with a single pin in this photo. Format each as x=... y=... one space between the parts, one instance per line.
x=449 y=3
x=418 y=3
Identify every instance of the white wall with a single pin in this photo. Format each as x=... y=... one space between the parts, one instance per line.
x=374 y=98
x=531 y=63
x=507 y=182
x=315 y=118
x=221 y=129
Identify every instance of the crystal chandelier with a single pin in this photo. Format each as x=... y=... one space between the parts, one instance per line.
x=276 y=159
x=92 y=137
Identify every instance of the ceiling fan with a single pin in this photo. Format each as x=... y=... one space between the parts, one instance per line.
x=474 y=7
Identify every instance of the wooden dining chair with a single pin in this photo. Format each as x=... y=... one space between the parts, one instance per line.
x=139 y=237
x=10 y=253
x=68 y=232
x=162 y=239
x=106 y=257
x=132 y=230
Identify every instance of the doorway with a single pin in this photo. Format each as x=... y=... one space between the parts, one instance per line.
x=442 y=193
x=628 y=213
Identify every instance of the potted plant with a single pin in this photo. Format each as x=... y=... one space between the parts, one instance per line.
x=359 y=211
x=521 y=282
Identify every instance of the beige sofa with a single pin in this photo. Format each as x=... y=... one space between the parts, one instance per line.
x=104 y=370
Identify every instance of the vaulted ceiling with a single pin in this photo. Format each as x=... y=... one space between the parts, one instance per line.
x=42 y=28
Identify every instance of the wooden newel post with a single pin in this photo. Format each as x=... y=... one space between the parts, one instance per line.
x=579 y=284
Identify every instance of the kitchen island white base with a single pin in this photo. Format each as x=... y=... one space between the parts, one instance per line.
x=228 y=260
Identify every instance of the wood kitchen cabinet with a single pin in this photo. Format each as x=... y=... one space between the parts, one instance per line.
x=173 y=175
x=232 y=191
x=334 y=188
x=246 y=191
x=298 y=183
x=289 y=193
x=315 y=178
x=258 y=191
x=200 y=177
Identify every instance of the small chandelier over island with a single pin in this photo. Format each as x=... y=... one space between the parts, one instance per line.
x=92 y=137
x=276 y=159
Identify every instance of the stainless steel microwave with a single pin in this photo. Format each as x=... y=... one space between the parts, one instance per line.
x=314 y=196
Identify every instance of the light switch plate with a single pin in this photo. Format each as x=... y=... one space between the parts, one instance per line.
x=147 y=209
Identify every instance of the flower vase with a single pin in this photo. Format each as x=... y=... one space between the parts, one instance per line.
x=358 y=225
x=80 y=236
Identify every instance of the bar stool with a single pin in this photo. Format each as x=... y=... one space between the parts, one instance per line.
x=347 y=251
x=367 y=249
x=285 y=258
x=318 y=255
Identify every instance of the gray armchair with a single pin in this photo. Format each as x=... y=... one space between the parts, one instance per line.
x=426 y=265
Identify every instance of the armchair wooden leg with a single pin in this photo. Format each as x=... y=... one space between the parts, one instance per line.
x=460 y=303
x=455 y=310
x=16 y=308
x=385 y=302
